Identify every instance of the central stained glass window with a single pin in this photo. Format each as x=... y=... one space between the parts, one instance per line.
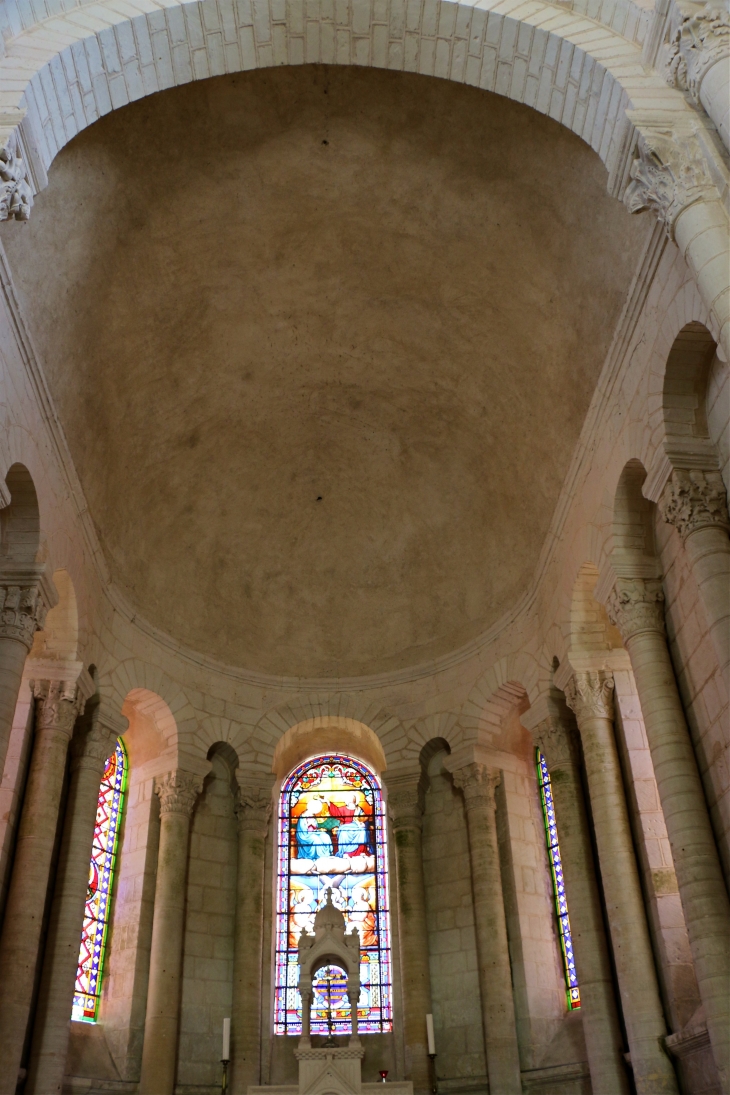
x=332 y=836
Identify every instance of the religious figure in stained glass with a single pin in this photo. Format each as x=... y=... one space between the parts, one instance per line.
x=97 y=913
x=556 y=872
x=332 y=836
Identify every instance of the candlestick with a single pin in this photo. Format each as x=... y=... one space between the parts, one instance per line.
x=226 y=1055
x=430 y=1036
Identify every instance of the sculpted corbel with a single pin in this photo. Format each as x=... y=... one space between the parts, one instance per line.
x=16 y=192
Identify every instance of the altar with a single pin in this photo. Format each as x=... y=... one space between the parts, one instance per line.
x=329 y=965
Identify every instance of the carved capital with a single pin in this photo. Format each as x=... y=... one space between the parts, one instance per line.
x=404 y=805
x=16 y=192
x=590 y=694
x=93 y=749
x=58 y=705
x=668 y=175
x=178 y=792
x=701 y=39
x=253 y=809
x=636 y=604
x=477 y=783
x=556 y=741
x=23 y=610
x=694 y=500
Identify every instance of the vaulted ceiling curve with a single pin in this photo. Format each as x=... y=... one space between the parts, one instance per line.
x=322 y=341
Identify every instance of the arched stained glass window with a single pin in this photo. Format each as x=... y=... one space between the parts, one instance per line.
x=556 y=871
x=97 y=913
x=332 y=835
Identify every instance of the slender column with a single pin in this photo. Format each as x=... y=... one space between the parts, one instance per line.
x=590 y=694
x=57 y=705
x=52 y=1024
x=254 y=808
x=405 y=811
x=478 y=784
x=25 y=597
x=695 y=502
x=636 y=607
x=554 y=737
x=177 y=792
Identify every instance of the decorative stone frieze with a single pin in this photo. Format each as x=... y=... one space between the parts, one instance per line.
x=16 y=193
x=23 y=610
x=635 y=605
x=59 y=703
x=590 y=694
x=701 y=39
x=253 y=809
x=668 y=175
x=178 y=792
x=556 y=741
x=478 y=784
x=693 y=500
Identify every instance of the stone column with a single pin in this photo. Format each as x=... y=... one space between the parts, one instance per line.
x=254 y=809
x=636 y=606
x=590 y=694
x=407 y=817
x=695 y=502
x=58 y=703
x=698 y=60
x=177 y=792
x=25 y=597
x=478 y=784
x=554 y=738
x=52 y=1023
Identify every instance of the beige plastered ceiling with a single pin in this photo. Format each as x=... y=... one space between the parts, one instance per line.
x=322 y=342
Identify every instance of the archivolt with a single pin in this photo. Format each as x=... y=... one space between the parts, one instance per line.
x=70 y=70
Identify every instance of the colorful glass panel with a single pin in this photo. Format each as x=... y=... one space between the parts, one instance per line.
x=95 y=927
x=556 y=871
x=332 y=836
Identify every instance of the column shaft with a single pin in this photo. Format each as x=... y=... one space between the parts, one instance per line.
x=590 y=696
x=637 y=607
x=52 y=1024
x=407 y=825
x=695 y=502
x=56 y=711
x=177 y=792
x=495 y=975
x=598 y=1004
x=253 y=818
x=25 y=597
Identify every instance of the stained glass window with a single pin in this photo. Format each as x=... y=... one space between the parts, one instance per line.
x=98 y=896
x=332 y=835
x=556 y=870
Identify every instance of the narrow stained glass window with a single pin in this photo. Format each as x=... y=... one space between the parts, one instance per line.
x=97 y=913
x=332 y=835
x=556 y=871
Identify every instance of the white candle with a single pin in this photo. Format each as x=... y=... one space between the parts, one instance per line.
x=429 y=1035
x=226 y=1040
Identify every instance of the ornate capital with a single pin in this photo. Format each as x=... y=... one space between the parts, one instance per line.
x=16 y=193
x=668 y=175
x=178 y=792
x=58 y=704
x=590 y=694
x=556 y=741
x=23 y=610
x=693 y=500
x=404 y=804
x=636 y=604
x=701 y=39
x=253 y=809
x=94 y=748
x=477 y=783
